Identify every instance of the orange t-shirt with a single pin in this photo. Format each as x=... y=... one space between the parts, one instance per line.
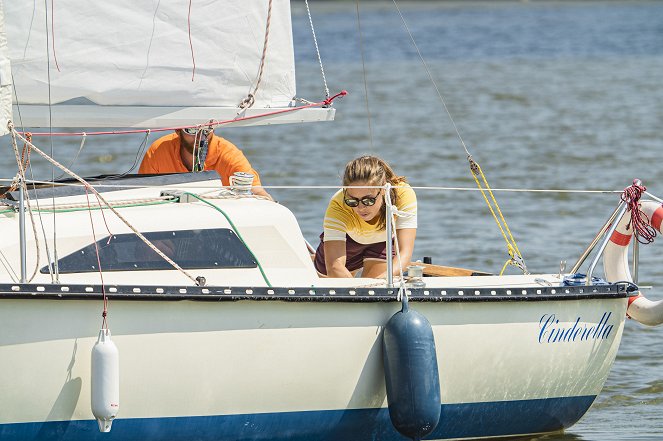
x=163 y=156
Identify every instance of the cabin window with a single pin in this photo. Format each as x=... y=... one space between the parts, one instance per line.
x=190 y=249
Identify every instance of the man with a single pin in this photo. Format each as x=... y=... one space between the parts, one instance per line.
x=174 y=153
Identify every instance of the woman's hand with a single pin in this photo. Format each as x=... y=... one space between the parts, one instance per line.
x=335 y=258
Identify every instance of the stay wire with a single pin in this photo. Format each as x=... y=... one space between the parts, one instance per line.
x=363 y=70
x=430 y=76
x=515 y=256
x=50 y=130
x=317 y=49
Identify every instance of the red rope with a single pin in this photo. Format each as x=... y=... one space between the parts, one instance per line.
x=193 y=58
x=642 y=229
x=104 y=314
x=324 y=103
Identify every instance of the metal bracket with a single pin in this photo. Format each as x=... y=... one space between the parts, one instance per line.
x=179 y=195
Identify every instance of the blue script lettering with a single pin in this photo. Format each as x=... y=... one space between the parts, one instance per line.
x=552 y=332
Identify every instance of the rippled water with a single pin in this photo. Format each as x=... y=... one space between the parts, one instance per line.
x=546 y=95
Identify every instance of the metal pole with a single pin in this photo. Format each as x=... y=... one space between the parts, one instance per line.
x=636 y=258
x=606 y=239
x=596 y=240
x=390 y=251
x=21 y=229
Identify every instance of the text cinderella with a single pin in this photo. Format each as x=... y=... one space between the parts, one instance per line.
x=552 y=332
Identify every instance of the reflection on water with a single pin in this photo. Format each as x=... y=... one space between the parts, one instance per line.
x=546 y=95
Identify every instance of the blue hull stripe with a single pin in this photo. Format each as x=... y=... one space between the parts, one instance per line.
x=456 y=421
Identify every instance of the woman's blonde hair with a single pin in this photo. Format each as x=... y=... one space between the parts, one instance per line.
x=375 y=172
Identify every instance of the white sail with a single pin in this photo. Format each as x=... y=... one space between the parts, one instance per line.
x=150 y=63
x=5 y=78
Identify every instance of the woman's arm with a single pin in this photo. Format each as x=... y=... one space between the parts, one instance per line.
x=405 y=238
x=335 y=259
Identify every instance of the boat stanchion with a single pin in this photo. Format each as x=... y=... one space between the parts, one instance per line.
x=411 y=373
x=105 y=381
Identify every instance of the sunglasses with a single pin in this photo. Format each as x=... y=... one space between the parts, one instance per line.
x=194 y=131
x=354 y=202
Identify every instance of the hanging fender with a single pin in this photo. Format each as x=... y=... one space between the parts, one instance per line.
x=616 y=269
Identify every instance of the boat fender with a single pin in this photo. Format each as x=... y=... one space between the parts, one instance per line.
x=616 y=268
x=411 y=374
x=105 y=381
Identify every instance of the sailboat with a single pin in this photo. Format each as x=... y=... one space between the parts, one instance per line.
x=221 y=327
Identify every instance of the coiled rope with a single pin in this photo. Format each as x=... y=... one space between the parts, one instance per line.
x=642 y=230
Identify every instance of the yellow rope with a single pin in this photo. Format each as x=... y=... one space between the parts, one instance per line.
x=516 y=258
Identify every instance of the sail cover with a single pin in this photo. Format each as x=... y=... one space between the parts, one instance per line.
x=160 y=58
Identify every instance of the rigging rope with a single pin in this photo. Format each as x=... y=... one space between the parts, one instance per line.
x=193 y=58
x=317 y=49
x=516 y=258
x=104 y=313
x=73 y=161
x=106 y=203
x=642 y=229
x=250 y=99
x=262 y=271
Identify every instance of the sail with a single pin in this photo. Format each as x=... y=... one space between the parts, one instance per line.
x=5 y=79
x=128 y=63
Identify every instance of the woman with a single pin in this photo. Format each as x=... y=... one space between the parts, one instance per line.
x=354 y=234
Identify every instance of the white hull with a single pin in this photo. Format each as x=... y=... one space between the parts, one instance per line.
x=238 y=365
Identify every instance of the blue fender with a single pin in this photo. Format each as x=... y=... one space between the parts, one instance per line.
x=411 y=374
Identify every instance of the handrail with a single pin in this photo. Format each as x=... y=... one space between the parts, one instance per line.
x=597 y=238
x=21 y=229
x=390 y=251
x=623 y=206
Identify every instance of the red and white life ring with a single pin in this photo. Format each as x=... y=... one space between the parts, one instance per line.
x=616 y=269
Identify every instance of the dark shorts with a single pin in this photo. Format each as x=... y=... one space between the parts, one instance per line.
x=355 y=253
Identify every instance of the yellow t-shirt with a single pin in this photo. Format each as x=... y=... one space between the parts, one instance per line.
x=341 y=219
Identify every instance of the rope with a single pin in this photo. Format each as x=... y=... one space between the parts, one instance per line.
x=642 y=229
x=262 y=271
x=55 y=57
x=516 y=258
x=73 y=161
x=335 y=187
x=317 y=49
x=401 y=295
x=193 y=58
x=250 y=99
x=104 y=314
x=119 y=216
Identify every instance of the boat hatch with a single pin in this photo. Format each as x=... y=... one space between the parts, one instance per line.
x=191 y=249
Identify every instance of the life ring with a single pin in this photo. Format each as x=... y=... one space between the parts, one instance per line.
x=616 y=269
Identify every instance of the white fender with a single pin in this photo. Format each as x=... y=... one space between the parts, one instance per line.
x=105 y=381
x=615 y=264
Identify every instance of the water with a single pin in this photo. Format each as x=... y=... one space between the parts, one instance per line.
x=546 y=95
